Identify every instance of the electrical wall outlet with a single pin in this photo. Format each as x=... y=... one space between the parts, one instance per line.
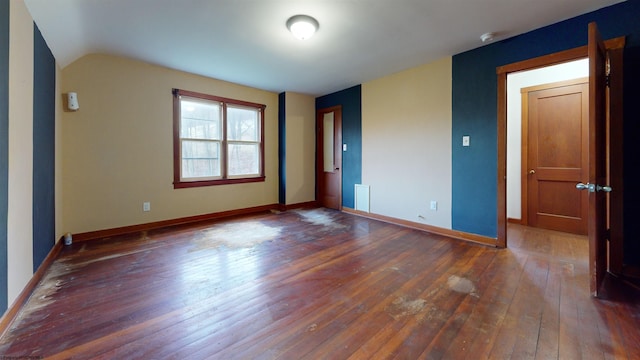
x=146 y=206
x=433 y=205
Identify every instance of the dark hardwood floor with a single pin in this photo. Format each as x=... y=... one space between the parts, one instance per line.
x=321 y=284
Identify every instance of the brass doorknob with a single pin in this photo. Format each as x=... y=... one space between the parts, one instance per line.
x=532 y=171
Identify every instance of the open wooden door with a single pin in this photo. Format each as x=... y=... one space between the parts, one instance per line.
x=596 y=185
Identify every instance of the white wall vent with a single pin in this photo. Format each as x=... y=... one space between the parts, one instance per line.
x=362 y=197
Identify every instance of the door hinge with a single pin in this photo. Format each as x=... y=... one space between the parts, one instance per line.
x=607 y=234
x=607 y=80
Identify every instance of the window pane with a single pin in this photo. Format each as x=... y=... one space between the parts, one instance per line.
x=242 y=123
x=200 y=119
x=244 y=159
x=200 y=159
x=328 y=142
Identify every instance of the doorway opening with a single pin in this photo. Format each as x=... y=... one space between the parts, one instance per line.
x=329 y=157
x=605 y=91
x=547 y=115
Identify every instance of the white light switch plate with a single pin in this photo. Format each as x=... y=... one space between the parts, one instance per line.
x=465 y=140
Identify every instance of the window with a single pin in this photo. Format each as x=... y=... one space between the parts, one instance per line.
x=216 y=140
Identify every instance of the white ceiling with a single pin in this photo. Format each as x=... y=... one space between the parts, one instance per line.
x=247 y=42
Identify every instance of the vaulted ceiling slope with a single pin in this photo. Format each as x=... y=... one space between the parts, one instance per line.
x=247 y=42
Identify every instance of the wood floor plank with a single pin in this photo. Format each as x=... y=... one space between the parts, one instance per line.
x=341 y=307
x=492 y=310
x=486 y=310
x=547 y=341
x=300 y=274
x=522 y=312
x=293 y=321
x=529 y=321
x=236 y=298
x=321 y=284
x=615 y=326
x=462 y=286
x=405 y=305
x=569 y=340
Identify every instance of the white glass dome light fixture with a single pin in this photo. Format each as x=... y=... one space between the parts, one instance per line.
x=487 y=37
x=302 y=26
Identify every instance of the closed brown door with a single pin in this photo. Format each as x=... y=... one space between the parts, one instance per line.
x=557 y=158
x=329 y=157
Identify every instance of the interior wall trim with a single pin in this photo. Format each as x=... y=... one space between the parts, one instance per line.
x=459 y=235
x=302 y=205
x=11 y=313
x=100 y=234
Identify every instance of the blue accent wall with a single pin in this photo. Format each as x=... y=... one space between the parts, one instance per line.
x=44 y=110
x=474 y=101
x=4 y=148
x=282 y=149
x=474 y=185
x=351 y=101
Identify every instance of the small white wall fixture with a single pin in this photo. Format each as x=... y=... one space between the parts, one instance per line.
x=72 y=101
x=362 y=197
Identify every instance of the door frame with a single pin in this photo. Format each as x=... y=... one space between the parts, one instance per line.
x=524 y=142
x=615 y=46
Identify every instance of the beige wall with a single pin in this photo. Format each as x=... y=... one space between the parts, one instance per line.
x=20 y=199
x=59 y=195
x=117 y=150
x=300 y=148
x=406 y=143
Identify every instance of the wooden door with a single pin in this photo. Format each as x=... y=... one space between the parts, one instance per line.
x=329 y=157
x=615 y=114
x=556 y=142
x=597 y=159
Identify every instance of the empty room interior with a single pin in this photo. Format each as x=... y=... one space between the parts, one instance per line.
x=319 y=179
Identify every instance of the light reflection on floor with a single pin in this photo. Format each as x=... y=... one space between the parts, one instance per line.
x=237 y=235
x=233 y=257
x=320 y=217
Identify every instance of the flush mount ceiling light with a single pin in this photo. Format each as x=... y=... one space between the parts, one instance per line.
x=302 y=26
x=487 y=37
